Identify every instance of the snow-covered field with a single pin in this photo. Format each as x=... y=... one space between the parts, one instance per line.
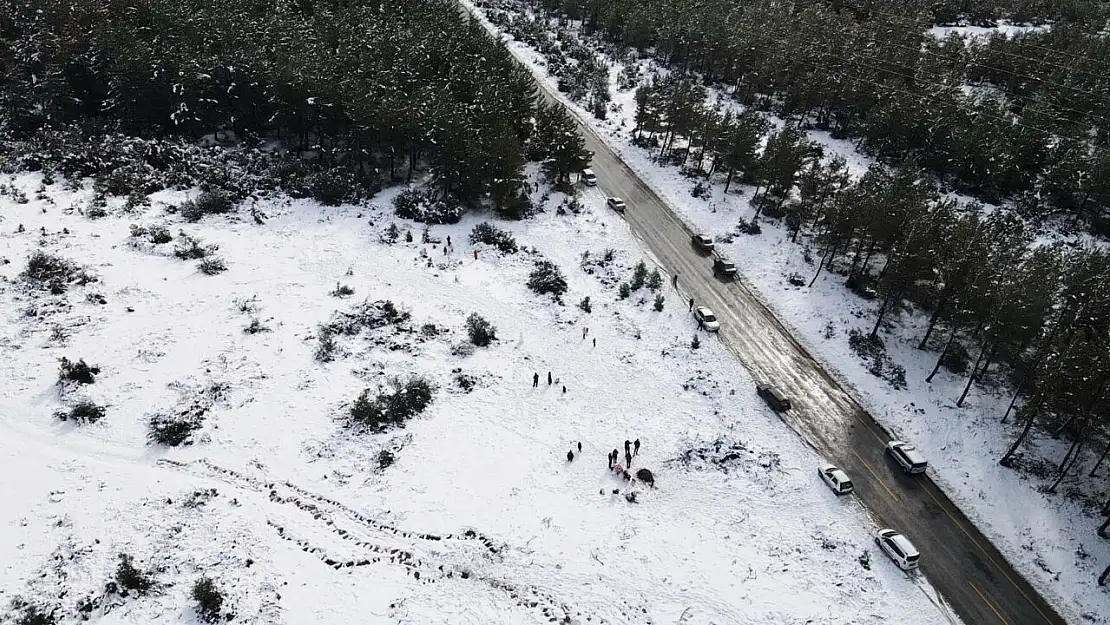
x=1050 y=538
x=481 y=518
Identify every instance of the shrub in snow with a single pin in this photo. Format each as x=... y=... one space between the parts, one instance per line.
x=956 y=358
x=53 y=273
x=154 y=234
x=28 y=613
x=214 y=202
x=585 y=305
x=385 y=459
x=129 y=578
x=333 y=187
x=76 y=372
x=659 y=302
x=624 y=291
x=639 y=276
x=174 y=430
x=655 y=280
x=492 y=235
x=342 y=290
x=367 y=316
x=256 y=326
x=420 y=205
x=462 y=349
x=796 y=279
x=701 y=190
x=390 y=235
x=546 y=278
x=403 y=401
x=480 y=331
x=191 y=248
x=749 y=227
x=326 y=346
x=212 y=265
x=86 y=411
x=695 y=343
x=209 y=598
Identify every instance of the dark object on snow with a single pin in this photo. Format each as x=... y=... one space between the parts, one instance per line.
x=631 y=496
x=674 y=280
x=627 y=445
x=691 y=303
x=549 y=378
x=449 y=241
x=646 y=477
x=626 y=476
x=535 y=380
x=564 y=389
x=570 y=456
x=616 y=491
x=611 y=461
x=774 y=397
x=579 y=446
x=595 y=342
x=636 y=447
x=627 y=458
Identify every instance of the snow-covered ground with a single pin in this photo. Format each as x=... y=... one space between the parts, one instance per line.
x=1003 y=28
x=481 y=518
x=1050 y=538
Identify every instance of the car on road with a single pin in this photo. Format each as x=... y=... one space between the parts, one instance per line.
x=706 y=319
x=616 y=204
x=724 y=267
x=907 y=456
x=703 y=242
x=774 y=397
x=589 y=178
x=898 y=548
x=836 y=479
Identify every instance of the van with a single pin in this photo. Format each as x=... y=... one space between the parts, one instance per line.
x=589 y=178
x=774 y=397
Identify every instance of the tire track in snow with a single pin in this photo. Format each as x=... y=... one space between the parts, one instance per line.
x=428 y=567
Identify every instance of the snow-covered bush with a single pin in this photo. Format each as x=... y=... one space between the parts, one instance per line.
x=79 y=372
x=366 y=316
x=326 y=346
x=212 y=265
x=175 y=429
x=403 y=401
x=214 y=202
x=480 y=331
x=585 y=305
x=421 y=205
x=191 y=248
x=659 y=302
x=54 y=273
x=546 y=278
x=209 y=598
x=490 y=234
x=86 y=411
x=129 y=578
x=342 y=290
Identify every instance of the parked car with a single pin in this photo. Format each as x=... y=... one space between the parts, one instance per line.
x=703 y=242
x=774 y=397
x=724 y=267
x=837 y=479
x=898 y=548
x=616 y=204
x=589 y=178
x=706 y=319
x=909 y=457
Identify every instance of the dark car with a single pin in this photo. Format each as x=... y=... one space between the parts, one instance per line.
x=774 y=397
x=724 y=267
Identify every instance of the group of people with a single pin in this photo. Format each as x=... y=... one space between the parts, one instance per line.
x=631 y=448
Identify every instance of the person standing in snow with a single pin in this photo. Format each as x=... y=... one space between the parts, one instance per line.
x=448 y=240
x=691 y=303
x=674 y=280
x=595 y=342
x=549 y=378
x=564 y=388
x=610 y=461
x=579 y=446
x=628 y=459
x=535 y=380
x=570 y=456
x=627 y=446
x=635 y=447
x=585 y=331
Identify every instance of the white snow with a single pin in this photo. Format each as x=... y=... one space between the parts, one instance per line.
x=1003 y=28
x=758 y=540
x=1049 y=538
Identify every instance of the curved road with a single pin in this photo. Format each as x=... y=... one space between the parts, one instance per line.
x=970 y=573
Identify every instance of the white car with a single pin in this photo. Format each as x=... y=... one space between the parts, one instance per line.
x=898 y=548
x=706 y=319
x=589 y=178
x=909 y=457
x=703 y=242
x=837 y=479
x=616 y=204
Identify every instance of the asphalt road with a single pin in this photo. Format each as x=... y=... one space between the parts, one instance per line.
x=969 y=572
